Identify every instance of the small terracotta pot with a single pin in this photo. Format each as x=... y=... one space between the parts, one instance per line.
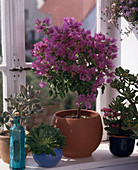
x=5 y=148
x=83 y=135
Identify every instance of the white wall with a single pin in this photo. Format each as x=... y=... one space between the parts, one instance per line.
x=127 y=54
x=103 y=100
x=129 y=50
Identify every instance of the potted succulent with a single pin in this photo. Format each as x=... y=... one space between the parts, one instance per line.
x=27 y=104
x=121 y=118
x=122 y=8
x=69 y=59
x=46 y=144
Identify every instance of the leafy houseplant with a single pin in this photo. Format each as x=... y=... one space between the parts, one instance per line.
x=122 y=8
x=121 y=118
x=27 y=104
x=69 y=58
x=46 y=141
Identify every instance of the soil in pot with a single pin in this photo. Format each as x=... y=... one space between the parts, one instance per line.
x=83 y=135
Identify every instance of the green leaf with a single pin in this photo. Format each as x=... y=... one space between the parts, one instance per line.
x=112 y=130
x=7 y=126
x=73 y=88
x=50 y=93
x=23 y=90
x=136 y=99
x=103 y=88
x=1 y=121
x=131 y=95
x=62 y=94
x=6 y=119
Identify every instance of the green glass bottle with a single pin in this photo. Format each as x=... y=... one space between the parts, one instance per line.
x=17 y=145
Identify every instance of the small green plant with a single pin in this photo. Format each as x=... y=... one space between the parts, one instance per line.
x=26 y=103
x=121 y=118
x=44 y=138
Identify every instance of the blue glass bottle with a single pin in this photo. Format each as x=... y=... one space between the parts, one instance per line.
x=17 y=145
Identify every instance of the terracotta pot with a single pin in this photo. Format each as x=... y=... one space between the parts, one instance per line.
x=5 y=148
x=83 y=135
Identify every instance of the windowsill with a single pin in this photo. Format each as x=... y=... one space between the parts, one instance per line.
x=101 y=158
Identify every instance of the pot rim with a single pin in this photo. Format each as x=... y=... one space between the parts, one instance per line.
x=46 y=153
x=117 y=136
x=2 y=137
x=5 y=136
x=69 y=112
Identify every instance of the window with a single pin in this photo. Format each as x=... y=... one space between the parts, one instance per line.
x=14 y=27
x=13 y=46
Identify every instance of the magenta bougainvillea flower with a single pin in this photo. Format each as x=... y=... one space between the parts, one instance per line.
x=70 y=58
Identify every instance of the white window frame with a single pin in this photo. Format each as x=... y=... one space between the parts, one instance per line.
x=13 y=49
x=13 y=46
x=103 y=100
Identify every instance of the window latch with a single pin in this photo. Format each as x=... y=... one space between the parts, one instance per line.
x=20 y=69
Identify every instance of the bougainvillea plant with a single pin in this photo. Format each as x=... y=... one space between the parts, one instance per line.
x=69 y=58
x=122 y=8
x=121 y=118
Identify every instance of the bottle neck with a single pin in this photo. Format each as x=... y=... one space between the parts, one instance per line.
x=17 y=120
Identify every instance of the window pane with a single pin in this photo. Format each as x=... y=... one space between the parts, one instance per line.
x=0 y=39
x=1 y=93
x=50 y=105
x=32 y=12
x=1 y=89
x=81 y=10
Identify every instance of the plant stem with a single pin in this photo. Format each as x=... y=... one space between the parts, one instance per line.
x=79 y=112
x=79 y=109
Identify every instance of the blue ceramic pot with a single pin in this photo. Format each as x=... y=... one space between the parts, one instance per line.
x=121 y=146
x=45 y=160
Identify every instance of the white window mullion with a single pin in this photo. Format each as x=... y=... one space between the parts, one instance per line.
x=5 y=32
x=18 y=41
